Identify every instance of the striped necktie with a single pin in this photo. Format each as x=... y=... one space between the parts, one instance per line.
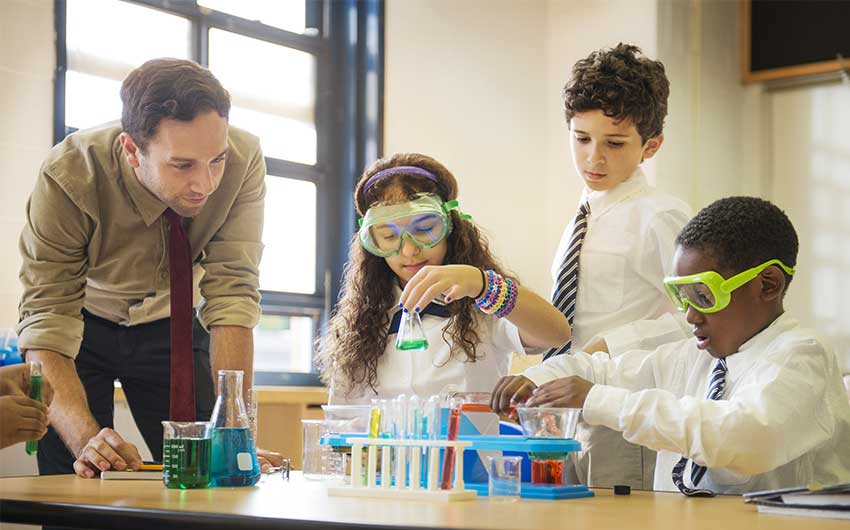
x=566 y=285
x=182 y=388
x=715 y=391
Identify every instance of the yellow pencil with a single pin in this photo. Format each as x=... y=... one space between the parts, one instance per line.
x=150 y=467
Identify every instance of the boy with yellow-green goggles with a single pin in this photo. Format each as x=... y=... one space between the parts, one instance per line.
x=709 y=292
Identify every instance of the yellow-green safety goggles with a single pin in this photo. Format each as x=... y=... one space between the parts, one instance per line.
x=709 y=292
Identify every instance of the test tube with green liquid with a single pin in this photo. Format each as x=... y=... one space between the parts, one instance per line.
x=35 y=393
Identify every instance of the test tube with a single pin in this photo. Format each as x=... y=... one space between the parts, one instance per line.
x=386 y=466
x=414 y=418
x=399 y=419
x=375 y=421
x=431 y=430
x=433 y=467
x=34 y=393
x=432 y=418
x=451 y=434
x=415 y=466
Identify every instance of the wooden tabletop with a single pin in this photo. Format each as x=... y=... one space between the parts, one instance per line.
x=301 y=503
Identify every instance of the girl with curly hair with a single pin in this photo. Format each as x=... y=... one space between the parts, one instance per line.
x=416 y=253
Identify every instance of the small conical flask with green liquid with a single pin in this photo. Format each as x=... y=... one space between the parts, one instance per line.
x=411 y=336
x=34 y=393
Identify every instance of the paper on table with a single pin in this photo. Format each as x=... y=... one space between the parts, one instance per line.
x=131 y=475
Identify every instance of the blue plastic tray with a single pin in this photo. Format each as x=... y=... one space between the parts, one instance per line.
x=520 y=444
x=538 y=491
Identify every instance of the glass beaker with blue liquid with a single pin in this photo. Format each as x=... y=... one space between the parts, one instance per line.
x=234 y=456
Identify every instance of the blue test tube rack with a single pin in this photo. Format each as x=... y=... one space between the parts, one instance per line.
x=511 y=443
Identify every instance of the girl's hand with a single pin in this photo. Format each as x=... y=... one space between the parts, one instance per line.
x=452 y=281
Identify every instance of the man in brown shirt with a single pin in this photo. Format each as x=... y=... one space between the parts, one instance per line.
x=95 y=252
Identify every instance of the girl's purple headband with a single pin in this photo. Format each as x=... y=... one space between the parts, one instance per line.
x=395 y=171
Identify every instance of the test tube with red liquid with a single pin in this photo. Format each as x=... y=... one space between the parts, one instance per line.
x=451 y=434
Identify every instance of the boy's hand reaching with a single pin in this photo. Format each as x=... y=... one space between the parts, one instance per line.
x=568 y=392
x=511 y=390
x=452 y=281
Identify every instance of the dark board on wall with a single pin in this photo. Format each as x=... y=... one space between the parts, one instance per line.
x=787 y=38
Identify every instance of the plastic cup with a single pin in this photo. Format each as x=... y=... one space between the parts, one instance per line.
x=505 y=477
x=186 y=454
x=319 y=462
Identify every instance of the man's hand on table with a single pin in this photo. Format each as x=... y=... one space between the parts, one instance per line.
x=104 y=451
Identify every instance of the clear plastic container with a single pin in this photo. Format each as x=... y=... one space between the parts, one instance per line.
x=347 y=418
x=546 y=422
x=320 y=462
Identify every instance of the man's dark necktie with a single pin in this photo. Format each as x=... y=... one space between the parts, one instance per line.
x=566 y=285
x=182 y=390
x=716 y=388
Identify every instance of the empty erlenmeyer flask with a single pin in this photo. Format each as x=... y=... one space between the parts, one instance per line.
x=410 y=334
x=234 y=457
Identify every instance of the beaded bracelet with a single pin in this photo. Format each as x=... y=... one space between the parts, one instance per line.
x=489 y=298
x=509 y=304
x=499 y=297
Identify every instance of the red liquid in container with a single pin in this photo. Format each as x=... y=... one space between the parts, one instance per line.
x=475 y=407
x=547 y=471
x=449 y=457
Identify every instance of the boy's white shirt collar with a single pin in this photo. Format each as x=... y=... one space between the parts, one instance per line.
x=601 y=201
x=750 y=350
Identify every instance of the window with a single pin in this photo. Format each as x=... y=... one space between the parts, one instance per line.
x=305 y=76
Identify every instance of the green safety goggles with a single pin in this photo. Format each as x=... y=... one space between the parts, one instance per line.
x=425 y=221
x=709 y=292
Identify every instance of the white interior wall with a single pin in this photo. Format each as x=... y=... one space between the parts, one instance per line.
x=27 y=61
x=464 y=84
x=810 y=170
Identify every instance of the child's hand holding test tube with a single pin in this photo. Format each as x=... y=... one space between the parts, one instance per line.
x=22 y=418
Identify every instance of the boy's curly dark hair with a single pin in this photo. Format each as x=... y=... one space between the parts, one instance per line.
x=742 y=232
x=357 y=334
x=623 y=85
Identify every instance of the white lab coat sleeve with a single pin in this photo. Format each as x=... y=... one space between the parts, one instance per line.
x=773 y=417
x=635 y=370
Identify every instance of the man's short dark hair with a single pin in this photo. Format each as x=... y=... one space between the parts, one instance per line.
x=622 y=84
x=742 y=232
x=168 y=88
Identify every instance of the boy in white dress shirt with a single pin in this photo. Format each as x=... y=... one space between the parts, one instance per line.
x=615 y=104
x=752 y=401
